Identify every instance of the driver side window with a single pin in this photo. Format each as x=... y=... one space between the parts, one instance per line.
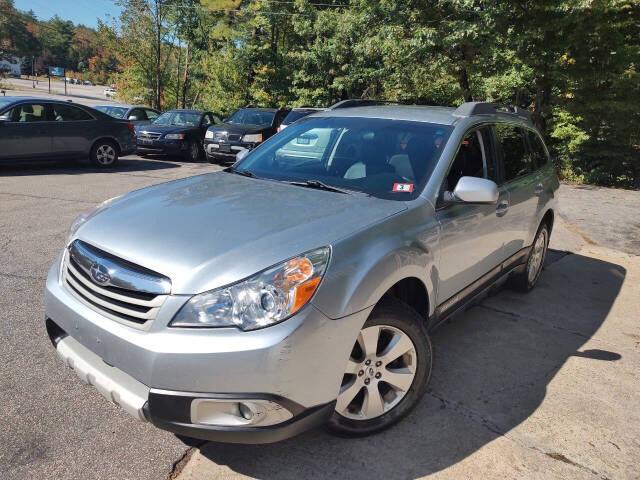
x=474 y=159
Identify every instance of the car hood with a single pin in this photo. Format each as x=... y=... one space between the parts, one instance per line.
x=164 y=129
x=211 y=230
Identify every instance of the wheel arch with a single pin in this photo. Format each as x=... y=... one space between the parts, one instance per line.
x=110 y=139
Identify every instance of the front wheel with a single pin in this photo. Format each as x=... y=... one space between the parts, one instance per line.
x=387 y=372
x=104 y=154
x=193 y=151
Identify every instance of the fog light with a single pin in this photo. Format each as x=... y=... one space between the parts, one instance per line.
x=245 y=411
x=237 y=413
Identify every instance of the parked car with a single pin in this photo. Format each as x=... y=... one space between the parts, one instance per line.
x=176 y=132
x=88 y=82
x=296 y=114
x=289 y=291
x=37 y=128
x=136 y=114
x=245 y=129
x=109 y=92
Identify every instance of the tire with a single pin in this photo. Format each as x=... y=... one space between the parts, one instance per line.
x=398 y=329
x=525 y=281
x=193 y=151
x=104 y=154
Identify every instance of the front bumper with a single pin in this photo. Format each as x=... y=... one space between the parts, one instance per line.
x=297 y=364
x=225 y=151
x=173 y=411
x=162 y=146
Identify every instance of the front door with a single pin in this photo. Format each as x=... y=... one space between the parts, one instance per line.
x=25 y=132
x=471 y=236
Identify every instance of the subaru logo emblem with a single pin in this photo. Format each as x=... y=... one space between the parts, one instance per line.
x=100 y=274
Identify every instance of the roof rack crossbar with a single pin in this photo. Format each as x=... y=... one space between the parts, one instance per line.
x=469 y=109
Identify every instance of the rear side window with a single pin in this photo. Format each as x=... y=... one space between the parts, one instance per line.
x=536 y=147
x=67 y=113
x=515 y=158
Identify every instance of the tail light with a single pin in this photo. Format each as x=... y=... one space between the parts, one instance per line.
x=131 y=127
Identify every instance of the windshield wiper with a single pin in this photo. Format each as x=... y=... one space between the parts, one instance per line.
x=244 y=173
x=317 y=184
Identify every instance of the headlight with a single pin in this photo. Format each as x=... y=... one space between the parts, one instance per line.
x=264 y=299
x=86 y=215
x=174 y=136
x=208 y=134
x=252 y=138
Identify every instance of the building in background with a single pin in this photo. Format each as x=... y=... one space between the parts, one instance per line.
x=12 y=67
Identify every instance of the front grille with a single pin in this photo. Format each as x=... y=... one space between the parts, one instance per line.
x=234 y=137
x=149 y=135
x=132 y=307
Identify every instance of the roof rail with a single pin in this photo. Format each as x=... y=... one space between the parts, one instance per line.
x=360 y=102
x=469 y=109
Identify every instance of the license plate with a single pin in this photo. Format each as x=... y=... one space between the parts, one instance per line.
x=225 y=148
x=145 y=141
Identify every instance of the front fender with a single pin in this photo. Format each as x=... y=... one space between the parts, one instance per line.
x=367 y=264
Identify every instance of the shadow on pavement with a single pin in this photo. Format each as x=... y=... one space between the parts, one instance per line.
x=491 y=371
x=51 y=167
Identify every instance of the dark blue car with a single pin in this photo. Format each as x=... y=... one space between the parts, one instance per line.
x=39 y=128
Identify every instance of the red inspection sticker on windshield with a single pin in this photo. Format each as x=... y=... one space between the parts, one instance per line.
x=403 y=187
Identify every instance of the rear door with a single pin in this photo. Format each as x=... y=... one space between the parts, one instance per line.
x=72 y=131
x=26 y=133
x=519 y=178
x=471 y=236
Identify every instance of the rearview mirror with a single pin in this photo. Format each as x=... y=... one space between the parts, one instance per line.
x=242 y=154
x=475 y=190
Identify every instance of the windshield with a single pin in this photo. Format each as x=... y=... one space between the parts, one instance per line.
x=183 y=119
x=389 y=159
x=251 y=116
x=116 y=112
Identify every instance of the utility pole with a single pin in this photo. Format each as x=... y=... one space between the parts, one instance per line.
x=158 y=38
x=33 y=75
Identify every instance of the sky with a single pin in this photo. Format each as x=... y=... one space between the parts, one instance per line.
x=84 y=12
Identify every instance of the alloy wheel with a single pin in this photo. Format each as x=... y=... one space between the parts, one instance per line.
x=534 y=266
x=105 y=154
x=379 y=373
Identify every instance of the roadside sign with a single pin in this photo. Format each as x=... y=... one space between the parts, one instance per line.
x=56 y=71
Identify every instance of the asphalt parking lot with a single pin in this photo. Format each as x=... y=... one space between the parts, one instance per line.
x=544 y=385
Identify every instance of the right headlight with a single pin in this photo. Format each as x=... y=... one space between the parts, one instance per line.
x=264 y=299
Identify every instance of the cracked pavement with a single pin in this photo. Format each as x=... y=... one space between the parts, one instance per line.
x=543 y=385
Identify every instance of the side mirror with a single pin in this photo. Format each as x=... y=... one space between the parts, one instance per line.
x=133 y=117
x=241 y=155
x=475 y=190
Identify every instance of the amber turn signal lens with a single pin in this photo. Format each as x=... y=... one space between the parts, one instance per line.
x=304 y=293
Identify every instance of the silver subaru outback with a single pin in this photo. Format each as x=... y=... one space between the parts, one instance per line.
x=300 y=286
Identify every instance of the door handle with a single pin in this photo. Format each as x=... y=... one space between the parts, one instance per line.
x=502 y=208
x=539 y=189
